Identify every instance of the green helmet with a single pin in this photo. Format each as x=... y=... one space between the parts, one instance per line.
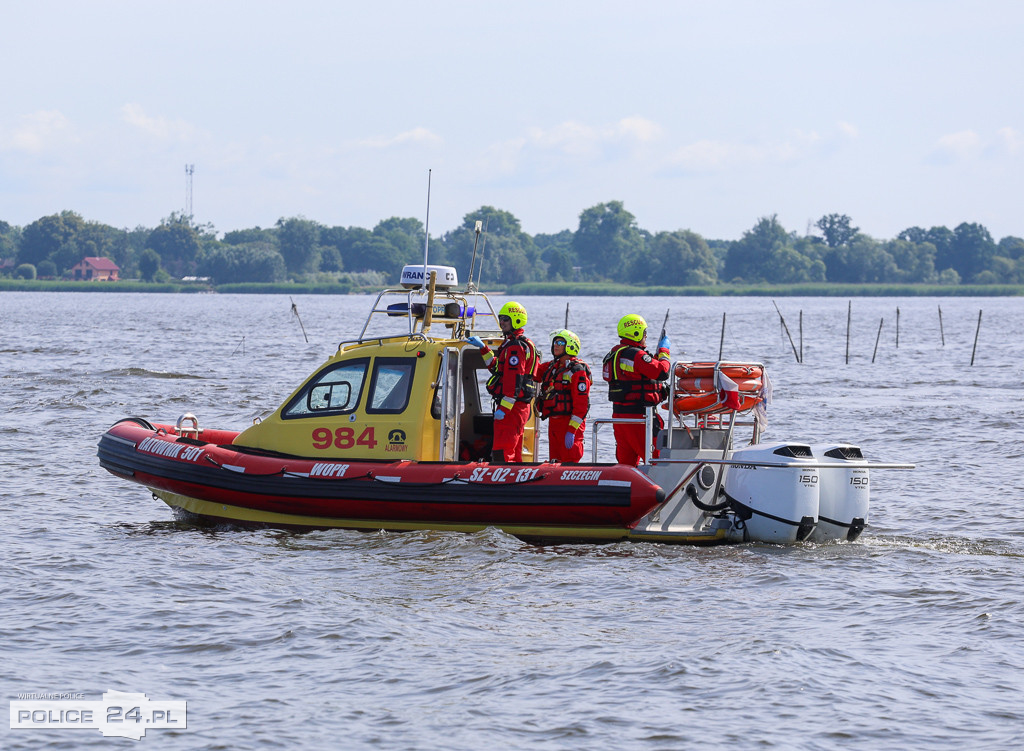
x=632 y=327
x=515 y=312
x=572 y=342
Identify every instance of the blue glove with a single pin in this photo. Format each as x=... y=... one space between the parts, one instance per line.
x=499 y=414
x=476 y=341
x=664 y=343
x=570 y=439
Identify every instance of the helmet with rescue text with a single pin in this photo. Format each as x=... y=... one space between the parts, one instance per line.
x=515 y=312
x=632 y=327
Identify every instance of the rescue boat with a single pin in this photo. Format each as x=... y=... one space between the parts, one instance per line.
x=393 y=432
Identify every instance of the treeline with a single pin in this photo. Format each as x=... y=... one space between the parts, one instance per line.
x=607 y=245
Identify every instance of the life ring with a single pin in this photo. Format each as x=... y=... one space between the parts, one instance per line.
x=693 y=385
x=735 y=371
x=712 y=402
x=695 y=404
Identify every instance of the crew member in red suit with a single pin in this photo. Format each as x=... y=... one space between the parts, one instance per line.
x=564 y=398
x=637 y=381
x=513 y=384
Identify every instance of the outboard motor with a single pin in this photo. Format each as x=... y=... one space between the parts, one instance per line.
x=844 y=495
x=777 y=504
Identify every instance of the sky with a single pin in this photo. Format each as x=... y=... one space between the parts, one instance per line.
x=704 y=116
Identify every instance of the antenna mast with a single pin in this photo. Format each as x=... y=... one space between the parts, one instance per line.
x=189 y=169
x=426 y=239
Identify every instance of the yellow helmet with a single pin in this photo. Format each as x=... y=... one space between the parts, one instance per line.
x=515 y=312
x=632 y=327
x=572 y=342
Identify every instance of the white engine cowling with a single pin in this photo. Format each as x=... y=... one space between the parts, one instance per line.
x=844 y=495
x=782 y=501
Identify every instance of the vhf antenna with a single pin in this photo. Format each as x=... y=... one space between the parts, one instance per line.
x=470 y=287
x=426 y=239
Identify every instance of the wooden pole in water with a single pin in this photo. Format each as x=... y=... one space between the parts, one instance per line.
x=877 y=337
x=784 y=326
x=849 y=315
x=567 y=315
x=721 y=341
x=295 y=312
x=976 y=332
x=942 y=333
x=897 y=327
x=801 y=337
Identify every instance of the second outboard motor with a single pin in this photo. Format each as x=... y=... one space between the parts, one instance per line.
x=777 y=504
x=844 y=495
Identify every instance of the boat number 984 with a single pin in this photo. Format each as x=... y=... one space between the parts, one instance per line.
x=342 y=438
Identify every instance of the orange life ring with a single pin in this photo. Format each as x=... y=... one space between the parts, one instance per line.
x=695 y=403
x=735 y=371
x=695 y=385
x=710 y=403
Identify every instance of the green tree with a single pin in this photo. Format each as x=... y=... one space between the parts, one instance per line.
x=973 y=250
x=836 y=229
x=178 y=243
x=607 y=240
x=1006 y=270
x=942 y=238
x=25 y=271
x=681 y=258
x=251 y=235
x=505 y=253
x=557 y=254
x=1011 y=247
x=299 y=240
x=344 y=240
x=245 y=262
x=406 y=235
x=860 y=261
x=330 y=259
x=748 y=258
x=9 y=237
x=51 y=237
x=149 y=264
x=915 y=261
x=787 y=265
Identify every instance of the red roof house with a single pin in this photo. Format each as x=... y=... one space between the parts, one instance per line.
x=96 y=269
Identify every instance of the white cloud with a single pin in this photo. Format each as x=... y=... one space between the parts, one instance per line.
x=970 y=146
x=39 y=131
x=956 y=146
x=1011 y=140
x=576 y=141
x=849 y=130
x=709 y=155
x=156 y=127
x=420 y=136
x=579 y=139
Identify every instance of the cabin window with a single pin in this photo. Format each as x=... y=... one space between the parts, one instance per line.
x=334 y=391
x=391 y=385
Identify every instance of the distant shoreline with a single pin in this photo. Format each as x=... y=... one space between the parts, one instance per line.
x=564 y=289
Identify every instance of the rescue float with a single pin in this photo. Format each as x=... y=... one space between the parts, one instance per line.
x=393 y=432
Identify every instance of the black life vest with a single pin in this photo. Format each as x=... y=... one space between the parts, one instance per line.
x=526 y=385
x=635 y=393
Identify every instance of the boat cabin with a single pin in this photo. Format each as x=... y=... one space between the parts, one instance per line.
x=417 y=394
